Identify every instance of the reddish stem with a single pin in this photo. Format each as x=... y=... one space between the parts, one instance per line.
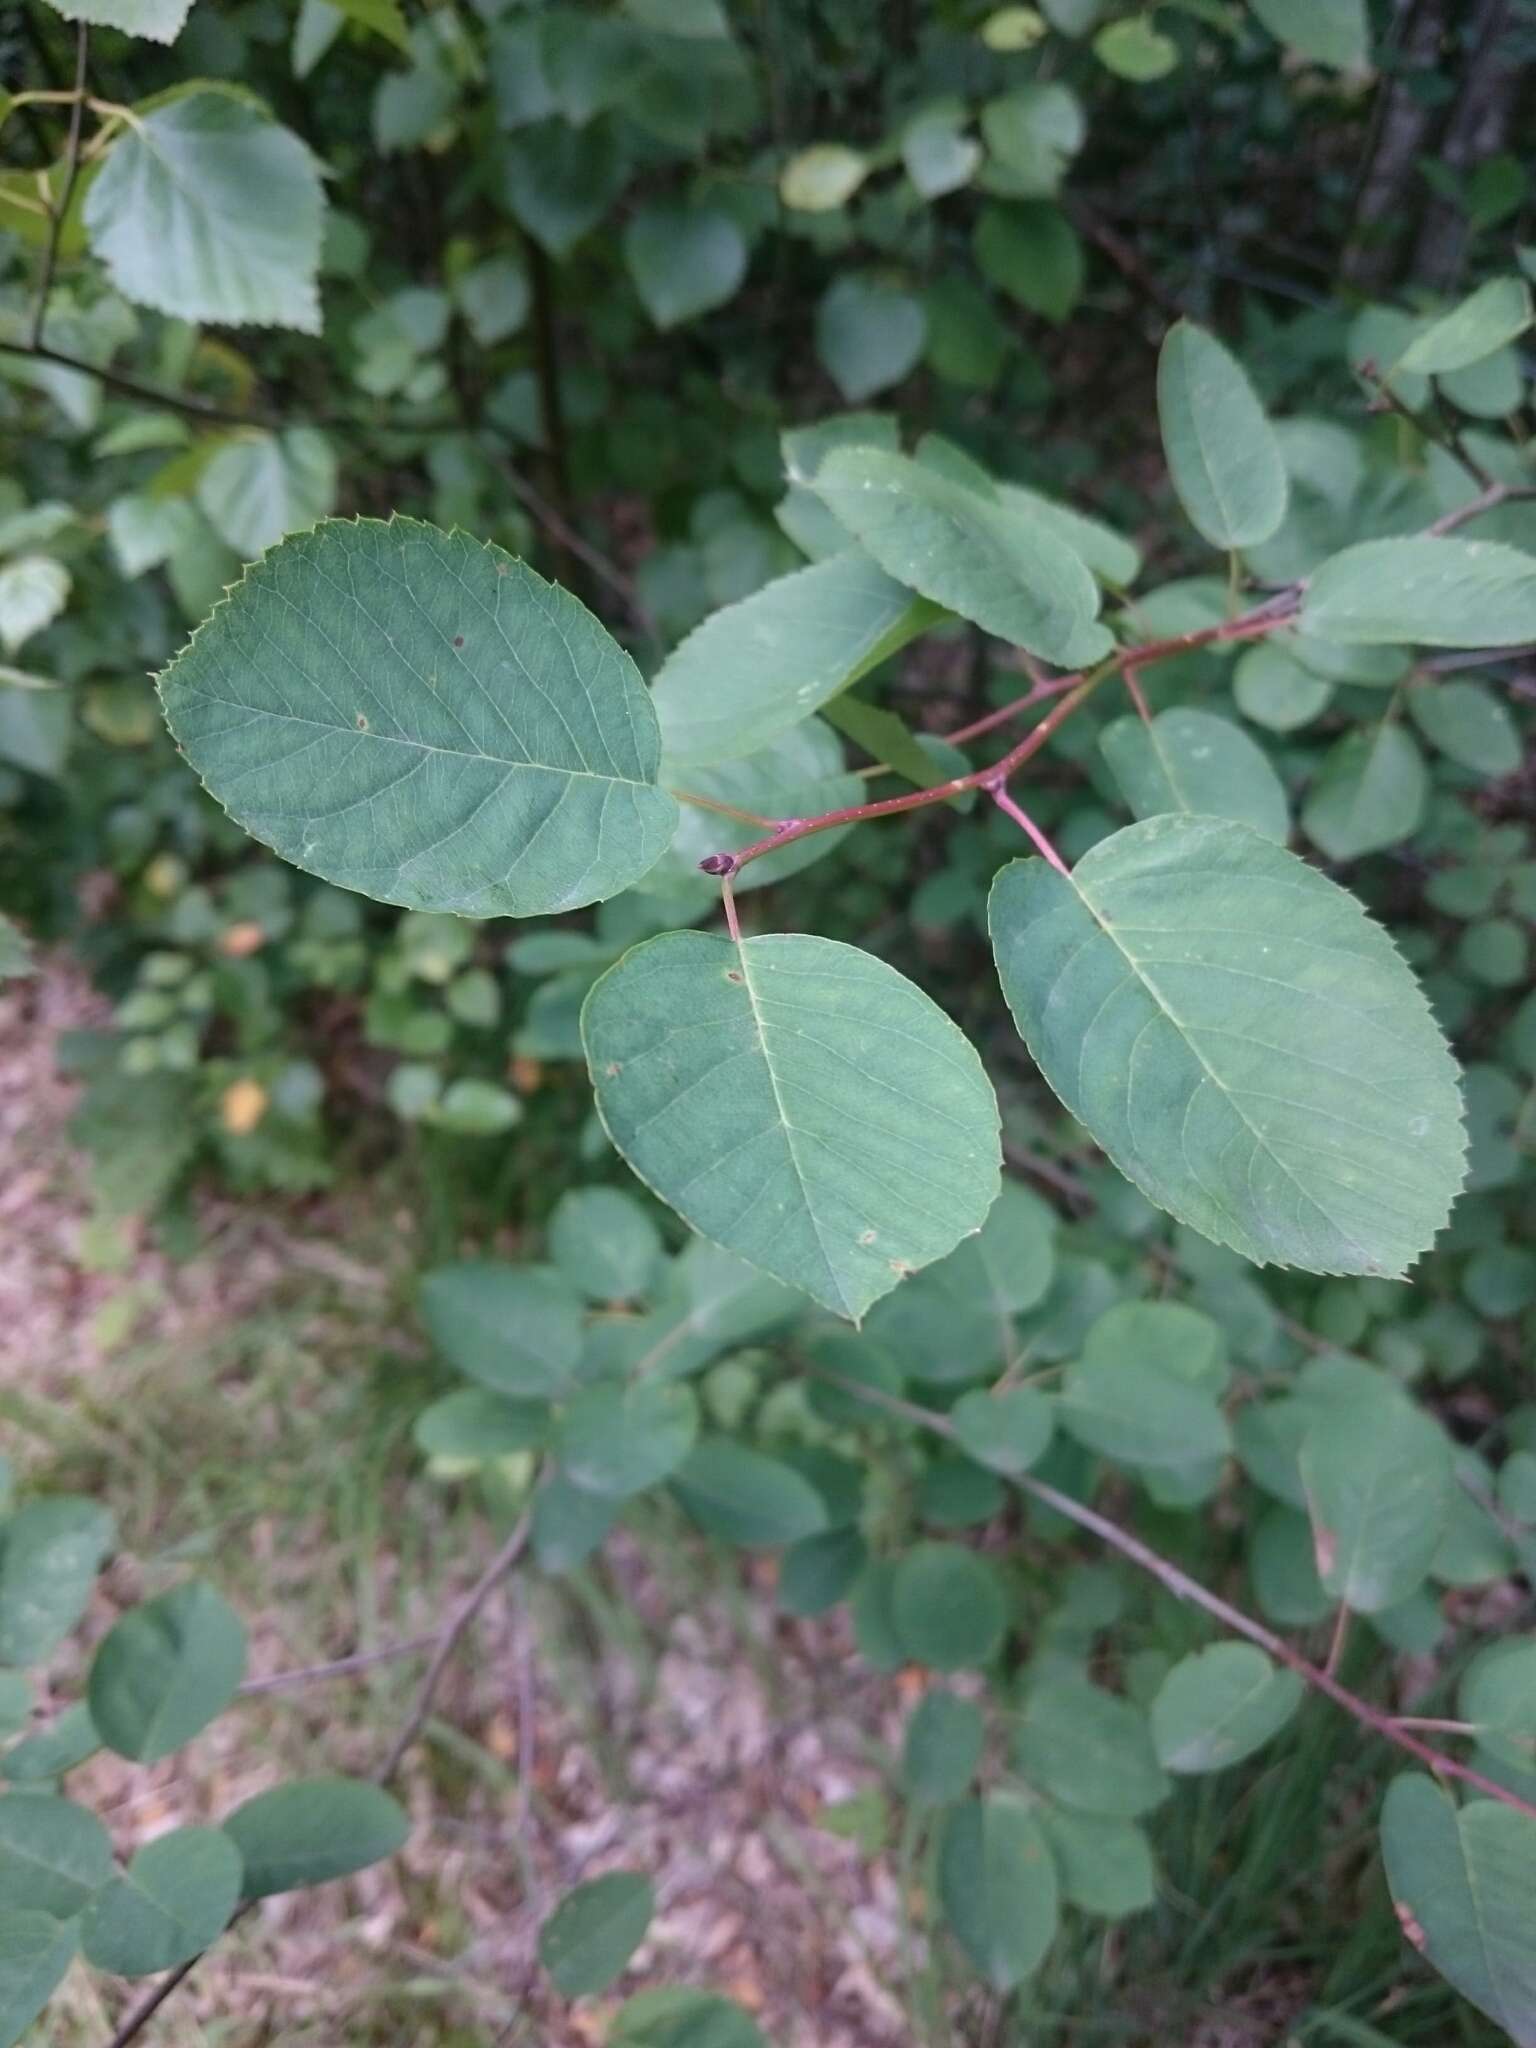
x=1138 y=695
x=1022 y=818
x=1265 y=618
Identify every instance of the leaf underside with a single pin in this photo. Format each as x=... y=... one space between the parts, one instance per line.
x=1241 y=1039
x=799 y=1102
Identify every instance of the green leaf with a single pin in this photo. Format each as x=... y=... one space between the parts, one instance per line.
x=1087 y=1748
x=742 y=1085
x=1498 y=1695
x=1273 y=689
x=1377 y=1476
x=159 y=21
x=568 y=1523
x=516 y=1329
x=586 y=1943
x=941 y=1748
x=50 y=1553
x=559 y=181
x=819 y=1571
x=165 y=1670
x=605 y=1244
x=56 y=1748
x=1188 y=760
x=888 y=740
x=1223 y=457
x=955 y=1321
x=617 y=1440
x=1006 y=1431
x=1032 y=252
x=675 y=2018
x=949 y=1607
x=494 y=297
x=311 y=1831
x=1130 y=1397
x=822 y=178
x=1247 y=1046
x=35 y=1954
x=176 y=1896
x=1106 y=1865
x=260 y=486
x=1497 y=313
x=1370 y=793
x=1462 y=1882
x=34 y=589
x=1428 y=591
x=1333 y=32
x=1469 y=725
x=1107 y=553
x=756 y=669
x=799 y=774
x=53 y=1855
x=998 y=1888
x=1217 y=1706
x=417 y=716
x=936 y=153
x=743 y=1497
x=476 y=1425
x=988 y=561
x=685 y=260
x=1034 y=132
x=707 y=1302
x=1134 y=49
x=207 y=210
x=869 y=335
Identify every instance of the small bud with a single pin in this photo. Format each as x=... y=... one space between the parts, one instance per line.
x=718 y=864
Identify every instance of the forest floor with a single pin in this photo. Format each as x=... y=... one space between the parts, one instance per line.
x=246 y=1413
x=242 y=1414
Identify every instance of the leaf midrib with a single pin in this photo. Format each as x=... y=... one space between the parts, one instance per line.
x=787 y=1127
x=426 y=746
x=1143 y=979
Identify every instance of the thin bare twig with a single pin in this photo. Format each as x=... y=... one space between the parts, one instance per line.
x=339 y=1667
x=449 y=1637
x=1487 y=500
x=60 y=213
x=1388 y=1726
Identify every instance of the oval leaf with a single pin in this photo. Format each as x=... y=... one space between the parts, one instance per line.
x=311 y=1831
x=50 y=1553
x=1219 y=1705
x=420 y=717
x=1462 y=1881
x=1223 y=456
x=743 y=1497
x=36 y=1951
x=949 y=1607
x=176 y=1896
x=1193 y=761
x=53 y=1855
x=1426 y=591
x=799 y=1102
x=1247 y=1046
x=755 y=669
x=998 y=1887
x=516 y=1329
x=165 y=1670
x=992 y=562
x=587 y=1941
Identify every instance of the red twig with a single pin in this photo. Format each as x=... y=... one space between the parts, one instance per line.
x=1026 y=823
x=1276 y=611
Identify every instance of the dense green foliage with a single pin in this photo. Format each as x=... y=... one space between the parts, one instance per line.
x=1002 y=869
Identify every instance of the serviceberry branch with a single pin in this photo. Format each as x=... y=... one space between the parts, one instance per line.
x=1070 y=692
x=1391 y=1728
